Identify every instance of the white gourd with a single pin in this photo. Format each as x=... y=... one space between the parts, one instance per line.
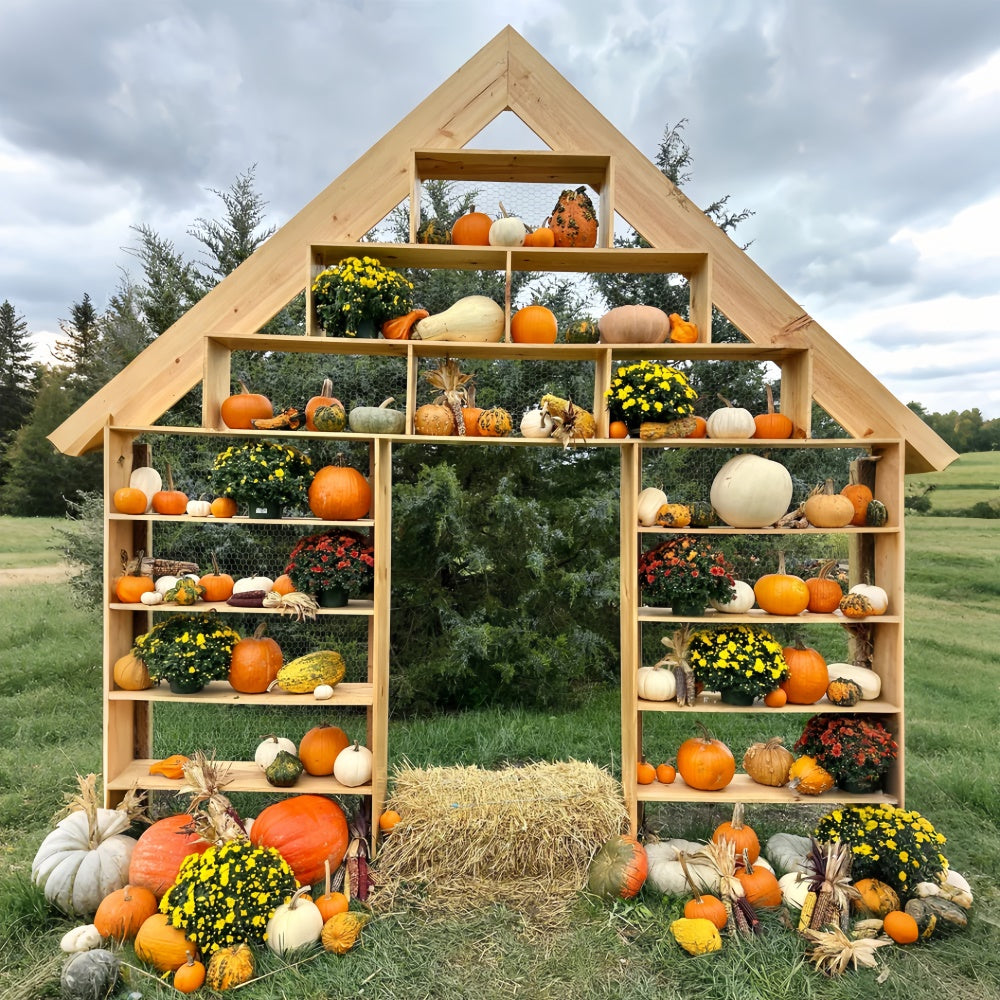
x=508 y=231
x=295 y=924
x=866 y=678
x=651 y=499
x=85 y=937
x=536 y=423
x=270 y=747
x=253 y=583
x=788 y=851
x=730 y=422
x=472 y=318
x=751 y=492
x=794 y=889
x=666 y=874
x=353 y=765
x=201 y=508
x=877 y=597
x=656 y=684
x=742 y=601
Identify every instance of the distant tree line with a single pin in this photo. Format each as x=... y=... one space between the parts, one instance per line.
x=964 y=432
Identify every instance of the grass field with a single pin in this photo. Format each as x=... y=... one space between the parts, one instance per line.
x=50 y=729
x=971 y=479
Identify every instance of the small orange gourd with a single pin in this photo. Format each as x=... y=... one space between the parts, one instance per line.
x=860 y=496
x=540 y=237
x=171 y=767
x=342 y=930
x=901 y=927
x=666 y=774
x=331 y=902
x=534 y=325
x=218 y=586
x=807 y=776
x=682 y=331
x=824 y=593
x=190 y=976
x=399 y=328
x=772 y=424
x=495 y=422
x=645 y=773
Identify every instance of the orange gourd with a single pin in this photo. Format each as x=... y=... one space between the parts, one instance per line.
x=470 y=417
x=129 y=500
x=617 y=429
x=772 y=424
x=389 y=820
x=121 y=913
x=255 y=662
x=190 y=976
x=901 y=927
x=705 y=763
x=700 y=428
x=171 y=767
x=330 y=903
x=159 y=851
x=682 y=331
x=218 y=586
x=807 y=674
x=574 y=219
x=809 y=777
x=540 y=237
x=472 y=229
x=781 y=593
x=223 y=507
x=703 y=905
x=339 y=493
x=666 y=774
x=324 y=398
x=760 y=884
x=319 y=747
x=534 y=325
x=399 y=328
x=283 y=584
x=645 y=773
x=170 y=501
x=824 y=593
x=435 y=419
x=776 y=698
x=242 y=408
x=743 y=837
x=161 y=945
x=860 y=496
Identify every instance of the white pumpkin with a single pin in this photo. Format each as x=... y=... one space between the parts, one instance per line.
x=536 y=423
x=788 y=851
x=742 y=601
x=201 y=508
x=651 y=499
x=250 y=584
x=730 y=422
x=751 y=492
x=76 y=866
x=323 y=692
x=167 y=582
x=656 y=684
x=295 y=924
x=147 y=479
x=866 y=678
x=508 y=231
x=794 y=889
x=877 y=597
x=353 y=765
x=666 y=874
x=270 y=747
x=85 y=937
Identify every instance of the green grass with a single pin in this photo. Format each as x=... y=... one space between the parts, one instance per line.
x=27 y=541
x=972 y=478
x=50 y=722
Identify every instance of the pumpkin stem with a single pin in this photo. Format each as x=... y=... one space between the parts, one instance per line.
x=770 y=400
x=682 y=861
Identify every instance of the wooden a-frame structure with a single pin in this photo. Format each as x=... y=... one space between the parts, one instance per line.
x=507 y=74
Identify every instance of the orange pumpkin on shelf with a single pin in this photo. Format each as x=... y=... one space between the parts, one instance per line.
x=170 y=501
x=324 y=398
x=223 y=507
x=129 y=500
x=617 y=429
x=824 y=593
x=540 y=237
x=472 y=229
x=860 y=496
x=255 y=662
x=434 y=419
x=242 y=408
x=705 y=763
x=319 y=747
x=781 y=593
x=534 y=325
x=283 y=584
x=339 y=493
x=772 y=424
x=645 y=773
x=218 y=586
x=130 y=587
x=807 y=674
x=700 y=428
x=495 y=422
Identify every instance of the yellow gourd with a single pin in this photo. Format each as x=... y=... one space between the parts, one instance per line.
x=696 y=935
x=229 y=967
x=472 y=318
x=342 y=930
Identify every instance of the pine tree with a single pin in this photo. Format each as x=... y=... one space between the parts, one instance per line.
x=18 y=376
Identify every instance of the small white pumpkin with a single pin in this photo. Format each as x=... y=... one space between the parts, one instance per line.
x=295 y=924
x=147 y=479
x=794 y=889
x=651 y=499
x=82 y=938
x=877 y=597
x=656 y=684
x=730 y=422
x=507 y=231
x=323 y=692
x=750 y=491
x=536 y=423
x=167 y=582
x=353 y=765
x=742 y=601
x=152 y=597
x=270 y=747
x=199 y=508
x=253 y=583
x=788 y=851
x=866 y=678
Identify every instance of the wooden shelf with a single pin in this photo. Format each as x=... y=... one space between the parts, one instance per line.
x=711 y=703
x=744 y=789
x=352 y=608
x=757 y=617
x=220 y=693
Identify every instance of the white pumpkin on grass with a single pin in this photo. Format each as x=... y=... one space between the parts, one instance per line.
x=295 y=924
x=750 y=491
x=667 y=875
x=794 y=889
x=353 y=765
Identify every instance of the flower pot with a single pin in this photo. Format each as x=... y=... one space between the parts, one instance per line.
x=270 y=511
x=687 y=607
x=730 y=697
x=365 y=328
x=335 y=597
x=859 y=786
x=185 y=685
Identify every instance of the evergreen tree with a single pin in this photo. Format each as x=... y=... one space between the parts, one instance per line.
x=17 y=374
x=81 y=335
x=169 y=285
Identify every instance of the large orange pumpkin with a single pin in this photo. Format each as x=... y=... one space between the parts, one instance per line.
x=255 y=662
x=307 y=830
x=807 y=674
x=760 y=884
x=781 y=593
x=705 y=763
x=160 y=850
x=319 y=747
x=242 y=408
x=534 y=325
x=339 y=493
x=824 y=593
x=472 y=229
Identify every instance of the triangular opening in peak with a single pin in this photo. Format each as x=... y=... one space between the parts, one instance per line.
x=506 y=131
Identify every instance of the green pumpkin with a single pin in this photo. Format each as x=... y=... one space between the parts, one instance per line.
x=876 y=515
x=284 y=770
x=377 y=419
x=90 y=975
x=935 y=915
x=433 y=231
x=582 y=331
x=703 y=514
x=330 y=418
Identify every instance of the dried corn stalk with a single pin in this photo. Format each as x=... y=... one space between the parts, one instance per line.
x=677 y=660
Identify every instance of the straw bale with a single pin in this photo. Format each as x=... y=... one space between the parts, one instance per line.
x=520 y=836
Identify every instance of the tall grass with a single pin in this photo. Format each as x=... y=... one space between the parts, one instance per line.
x=50 y=724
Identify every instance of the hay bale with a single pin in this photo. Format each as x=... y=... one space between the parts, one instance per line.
x=521 y=836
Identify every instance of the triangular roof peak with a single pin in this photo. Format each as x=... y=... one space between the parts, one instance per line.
x=507 y=74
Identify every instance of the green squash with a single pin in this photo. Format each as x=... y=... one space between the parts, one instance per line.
x=330 y=418
x=377 y=419
x=876 y=515
x=936 y=915
x=90 y=975
x=703 y=514
x=434 y=231
x=284 y=770
x=582 y=331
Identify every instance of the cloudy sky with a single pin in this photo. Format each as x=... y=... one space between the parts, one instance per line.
x=863 y=134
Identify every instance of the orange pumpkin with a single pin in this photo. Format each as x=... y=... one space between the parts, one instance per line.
x=129 y=588
x=399 y=328
x=540 y=237
x=470 y=417
x=283 y=584
x=645 y=773
x=824 y=593
x=242 y=408
x=255 y=662
x=389 y=820
x=666 y=774
x=534 y=325
x=705 y=763
x=807 y=674
x=218 y=586
x=743 y=837
x=170 y=501
x=618 y=869
x=433 y=418
x=330 y=903
x=190 y=976
x=319 y=747
x=700 y=428
x=472 y=229
x=325 y=398
x=781 y=593
x=574 y=220
x=776 y=698
x=772 y=424
x=161 y=945
x=224 y=507
x=860 y=496
x=901 y=926
x=129 y=500
x=121 y=913
x=339 y=493
x=617 y=429
x=159 y=851
x=760 y=884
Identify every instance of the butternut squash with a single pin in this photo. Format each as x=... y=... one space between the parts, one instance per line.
x=474 y=318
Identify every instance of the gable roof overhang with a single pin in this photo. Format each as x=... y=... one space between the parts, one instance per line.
x=507 y=74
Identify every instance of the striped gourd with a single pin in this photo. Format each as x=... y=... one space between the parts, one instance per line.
x=305 y=673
